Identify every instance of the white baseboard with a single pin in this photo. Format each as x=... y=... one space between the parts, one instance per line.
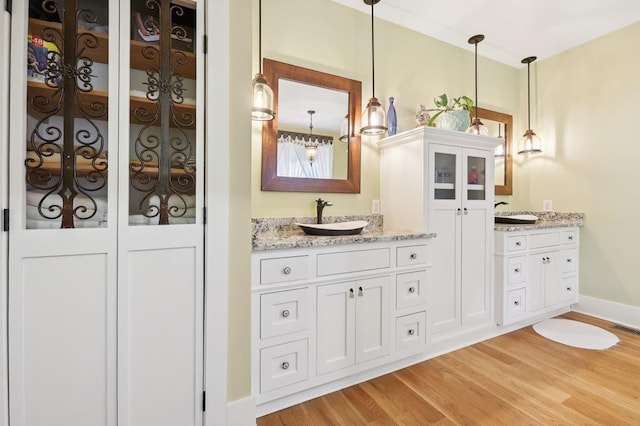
x=242 y=412
x=611 y=311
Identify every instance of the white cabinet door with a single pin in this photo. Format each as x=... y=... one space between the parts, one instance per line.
x=353 y=323
x=336 y=326
x=543 y=280
x=372 y=318
x=476 y=265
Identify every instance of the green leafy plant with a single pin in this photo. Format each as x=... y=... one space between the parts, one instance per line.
x=444 y=104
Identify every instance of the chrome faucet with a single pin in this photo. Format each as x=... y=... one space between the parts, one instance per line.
x=321 y=204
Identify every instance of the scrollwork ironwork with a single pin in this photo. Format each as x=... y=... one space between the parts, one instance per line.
x=163 y=169
x=54 y=150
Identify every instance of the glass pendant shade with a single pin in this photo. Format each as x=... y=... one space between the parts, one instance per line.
x=344 y=129
x=373 y=119
x=530 y=143
x=262 y=100
x=499 y=151
x=477 y=128
x=311 y=151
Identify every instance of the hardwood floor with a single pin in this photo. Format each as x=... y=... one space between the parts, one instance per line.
x=516 y=379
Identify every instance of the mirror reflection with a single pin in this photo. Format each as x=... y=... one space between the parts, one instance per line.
x=500 y=126
x=311 y=145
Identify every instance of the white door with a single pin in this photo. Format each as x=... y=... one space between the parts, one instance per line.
x=372 y=318
x=536 y=286
x=105 y=319
x=336 y=326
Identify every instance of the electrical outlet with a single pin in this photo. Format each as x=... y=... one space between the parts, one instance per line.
x=547 y=205
x=375 y=206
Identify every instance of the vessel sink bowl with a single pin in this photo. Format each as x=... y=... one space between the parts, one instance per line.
x=353 y=227
x=517 y=219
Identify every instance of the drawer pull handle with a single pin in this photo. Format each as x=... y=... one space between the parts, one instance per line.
x=412 y=290
x=518 y=243
x=411 y=332
x=516 y=270
x=351 y=294
x=285 y=313
x=360 y=292
x=286 y=270
x=413 y=256
x=285 y=365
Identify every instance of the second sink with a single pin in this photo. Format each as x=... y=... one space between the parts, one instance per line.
x=353 y=227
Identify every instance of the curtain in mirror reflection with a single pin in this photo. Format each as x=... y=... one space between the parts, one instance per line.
x=293 y=162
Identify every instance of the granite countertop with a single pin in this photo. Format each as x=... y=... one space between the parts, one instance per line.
x=545 y=220
x=282 y=233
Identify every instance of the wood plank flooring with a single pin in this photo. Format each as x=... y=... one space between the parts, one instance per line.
x=517 y=379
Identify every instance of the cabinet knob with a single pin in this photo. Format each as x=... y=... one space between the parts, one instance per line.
x=360 y=292
x=411 y=332
x=466 y=211
x=569 y=260
x=458 y=212
x=286 y=270
x=518 y=243
x=412 y=290
x=569 y=288
x=516 y=302
x=285 y=313
x=285 y=365
x=351 y=293
x=516 y=270
x=570 y=237
x=413 y=256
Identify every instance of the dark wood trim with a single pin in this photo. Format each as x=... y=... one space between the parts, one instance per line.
x=274 y=71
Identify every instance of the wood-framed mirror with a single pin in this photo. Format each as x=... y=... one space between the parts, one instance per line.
x=500 y=125
x=312 y=108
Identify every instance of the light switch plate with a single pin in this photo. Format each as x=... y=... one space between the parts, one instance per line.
x=375 y=206
x=547 y=205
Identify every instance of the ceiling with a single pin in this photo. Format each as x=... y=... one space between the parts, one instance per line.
x=513 y=29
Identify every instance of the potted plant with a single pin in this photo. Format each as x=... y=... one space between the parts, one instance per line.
x=452 y=113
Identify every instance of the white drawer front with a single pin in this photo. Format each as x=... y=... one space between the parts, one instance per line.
x=517 y=270
x=284 y=269
x=283 y=365
x=569 y=260
x=516 y=243
x=544 y=240
x=570 y=237
x=411 y=332
x=353 y=261
x=516 y=302
x=412 y=255
x=569 y=289
x=411 y=289
x=284 y=312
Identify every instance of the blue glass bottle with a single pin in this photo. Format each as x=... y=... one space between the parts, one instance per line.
x=392 y=119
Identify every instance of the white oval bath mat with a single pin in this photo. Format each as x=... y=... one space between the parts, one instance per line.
x=576 y=334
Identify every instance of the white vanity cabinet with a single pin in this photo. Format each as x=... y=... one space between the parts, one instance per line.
x=324 y=316
x=536 y=272
x=440 y=181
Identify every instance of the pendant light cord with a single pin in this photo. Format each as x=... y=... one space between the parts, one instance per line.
x=529 y=96
x=373 y=61
x=260 y=36
x=476 y=82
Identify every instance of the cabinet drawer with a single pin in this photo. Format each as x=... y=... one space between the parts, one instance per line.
x=516 y=243
x=283 y=365
x=570 y=237
x=411 y=289
x=544 y=240
x=569 y=260
x=284 y=269
x=516 y=302
x=517 y=270
x=353 y=261
x=284 y=312
x=569 y=289
x=411 y=332
x=412 y=255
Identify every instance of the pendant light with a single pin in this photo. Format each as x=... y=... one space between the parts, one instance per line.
x=530 y=143
x=311 y=149
x=477 y=128
x=262 y=94
x=374 y=119
x=500 y=151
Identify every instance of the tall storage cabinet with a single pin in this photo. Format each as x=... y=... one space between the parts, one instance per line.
x=442 y=182
x=106 y=196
